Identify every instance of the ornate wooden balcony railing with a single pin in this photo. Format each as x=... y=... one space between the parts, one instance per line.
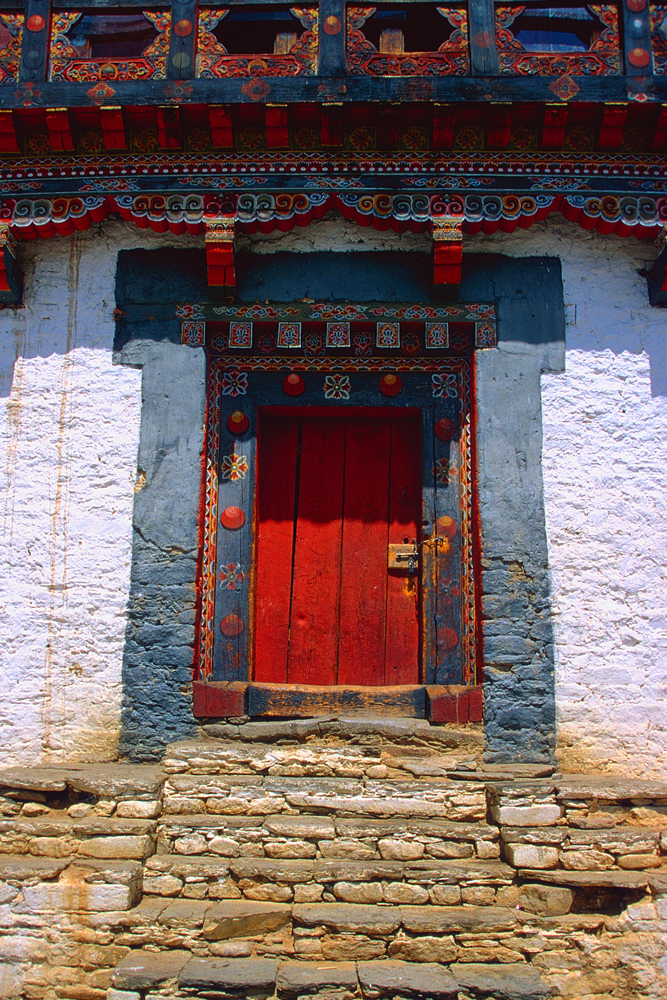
x=64 y=53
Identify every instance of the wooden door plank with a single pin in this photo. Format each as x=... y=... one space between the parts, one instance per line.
x=402 y=636
x=313 y=653
x=277 y=472
x=364 y=551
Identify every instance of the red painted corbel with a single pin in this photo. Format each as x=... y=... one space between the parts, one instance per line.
x=447 y=232
x=169 y=128
x=611 y=126
x=113 y=128
x=219 y=236
x=60 y=133
x=8 y=142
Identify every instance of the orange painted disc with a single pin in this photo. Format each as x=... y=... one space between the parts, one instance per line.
x=390 y=385
x=35 y=23
x=232 y=518
x=294 y=385
x=639 y=57
x=447 y=526
x=332 y=25
x=183 y=28
x=231 y=626
x=445 y=429
x=237 y=423
x=447 y=638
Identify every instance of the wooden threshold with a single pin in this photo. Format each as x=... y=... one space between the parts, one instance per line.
x=284 y=700
x=453 y=703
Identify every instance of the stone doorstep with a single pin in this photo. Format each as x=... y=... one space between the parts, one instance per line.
x=346 y=727
x=262 y=978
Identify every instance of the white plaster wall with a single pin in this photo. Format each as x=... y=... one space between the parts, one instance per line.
x=69 y=429
x=605 y=478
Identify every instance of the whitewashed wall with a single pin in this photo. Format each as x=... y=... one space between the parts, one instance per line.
x=69 y=423
x=605 y=479
x=69 y=427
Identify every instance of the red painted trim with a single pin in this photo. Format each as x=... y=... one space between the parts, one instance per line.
x=475 y=527
x=219 y=700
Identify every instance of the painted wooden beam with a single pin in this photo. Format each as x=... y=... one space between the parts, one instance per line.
x=482 y=34
x=35 y=44
x=332 y=38
x=181 y=58
x=637 y=38
x=332 y=89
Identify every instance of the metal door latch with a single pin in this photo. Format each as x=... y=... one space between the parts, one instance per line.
x=405 y=556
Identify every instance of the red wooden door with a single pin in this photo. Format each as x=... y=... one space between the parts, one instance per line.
x=335 y=488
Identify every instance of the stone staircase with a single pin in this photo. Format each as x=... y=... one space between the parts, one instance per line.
x=331 y=858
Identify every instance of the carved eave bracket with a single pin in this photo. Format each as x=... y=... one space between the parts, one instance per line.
x=220 y=218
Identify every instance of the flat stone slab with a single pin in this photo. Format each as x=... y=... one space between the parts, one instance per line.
x=457 y=919
x=610 y=879
x=502 y=982
x=231 y=977
x=260 y=732
x=244 y=918
x=426 y=981
x=348 y=917
x=296 y=979
x=609 y=787
x=94 y=779
x=19 y=868
x=140 y=970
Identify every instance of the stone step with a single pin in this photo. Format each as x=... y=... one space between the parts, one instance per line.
x=336 y=931
x=58 y=834
x=263 y=795
x=627 y=847
x=439 y=882
x=131 y=789
x=179 y=975
x=323 y=757
x=357 y=728
x=285 y=836
x=70 y=885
